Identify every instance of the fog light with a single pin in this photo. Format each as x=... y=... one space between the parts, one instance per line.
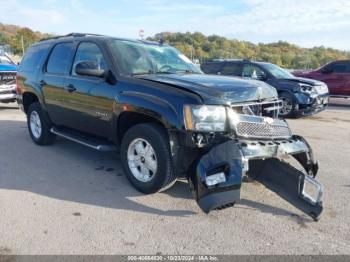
x=215 y=179
x=312 y=190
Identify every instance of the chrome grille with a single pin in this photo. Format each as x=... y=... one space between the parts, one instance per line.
x=7 y=78
x=260 y=123
x=263 y=130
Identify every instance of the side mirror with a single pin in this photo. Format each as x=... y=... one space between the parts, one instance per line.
x=89 y=68
x=262 y=77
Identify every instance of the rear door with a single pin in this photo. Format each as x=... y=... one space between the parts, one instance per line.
x=52 y=82
x=91 y=99
x=346 y=90
x=336 y=76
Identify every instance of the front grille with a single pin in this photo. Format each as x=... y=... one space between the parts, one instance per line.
x=277 y=129
x=266 y=108
x=259 y=120
x=7 y=78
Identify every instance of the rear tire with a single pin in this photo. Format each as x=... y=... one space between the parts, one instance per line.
x=39 y=126
x=146 y=158
x=289 y=105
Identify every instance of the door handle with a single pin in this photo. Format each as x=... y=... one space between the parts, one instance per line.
x=70 y=88
x=42 y=83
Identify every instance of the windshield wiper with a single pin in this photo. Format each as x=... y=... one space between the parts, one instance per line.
x=151 y=72
x=187 y=71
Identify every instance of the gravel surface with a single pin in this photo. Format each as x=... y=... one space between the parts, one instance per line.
x=68 y=199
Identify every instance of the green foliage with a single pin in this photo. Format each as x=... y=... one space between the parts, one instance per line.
x=13 y=35
x=198 y=46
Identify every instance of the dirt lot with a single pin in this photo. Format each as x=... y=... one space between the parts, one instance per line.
x=67 y=199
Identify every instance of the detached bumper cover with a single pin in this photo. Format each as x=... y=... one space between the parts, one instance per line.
x=318 y=104
x=236 y=158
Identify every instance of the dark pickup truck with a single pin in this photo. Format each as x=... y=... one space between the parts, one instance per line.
x=167 y=118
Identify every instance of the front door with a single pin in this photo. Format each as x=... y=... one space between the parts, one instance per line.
x=91 y=98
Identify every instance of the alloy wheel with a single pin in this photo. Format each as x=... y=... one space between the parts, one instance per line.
x=142 y=160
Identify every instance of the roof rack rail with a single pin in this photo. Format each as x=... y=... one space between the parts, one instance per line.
x=69 y=35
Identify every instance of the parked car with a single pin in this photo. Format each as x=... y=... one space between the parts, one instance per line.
x=8 y=70
x=165 y=116
x=300 y=96
x=335 y=74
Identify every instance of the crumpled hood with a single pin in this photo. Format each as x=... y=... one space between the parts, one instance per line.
x=301 y=80
x=217 y=89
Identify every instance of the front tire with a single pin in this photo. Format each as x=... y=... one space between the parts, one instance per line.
x=146 y=158
x=39 y=126
x=288 y=105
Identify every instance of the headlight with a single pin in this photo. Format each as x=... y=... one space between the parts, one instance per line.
x=308 y=89
x=205 y=118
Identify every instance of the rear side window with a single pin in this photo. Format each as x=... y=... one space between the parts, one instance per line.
x=337 y=67
x=211 y=68
x=59 y=59
x=33 y=58
x=232 y=69
x=340 y=68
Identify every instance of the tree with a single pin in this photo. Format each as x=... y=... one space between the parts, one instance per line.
x=281 y=53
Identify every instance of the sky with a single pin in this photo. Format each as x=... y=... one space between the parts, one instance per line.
x=306 y=23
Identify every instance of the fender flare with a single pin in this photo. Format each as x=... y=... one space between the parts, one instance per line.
x=149 y=105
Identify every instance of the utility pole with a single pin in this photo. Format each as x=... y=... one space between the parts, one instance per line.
x=22 y=40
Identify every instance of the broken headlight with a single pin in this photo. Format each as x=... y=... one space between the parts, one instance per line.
x=308 y=89
x=205 y=118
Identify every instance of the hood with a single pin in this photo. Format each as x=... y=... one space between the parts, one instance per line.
x=4 y=67
x=217 y=89
x=301 y=80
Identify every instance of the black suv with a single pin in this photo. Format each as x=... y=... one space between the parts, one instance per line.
x=300 y=96
x=165 y=116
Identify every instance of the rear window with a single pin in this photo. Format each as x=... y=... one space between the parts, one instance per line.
x=232 y=69
x=211 y=68
x=33 y=58
x=60 y=58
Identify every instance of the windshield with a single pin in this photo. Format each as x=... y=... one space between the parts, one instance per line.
x=4 y=60
x=277 y=71
x=145 y=58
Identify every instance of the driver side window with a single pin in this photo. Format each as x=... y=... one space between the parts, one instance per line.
x=89 y=52
x=252 y=71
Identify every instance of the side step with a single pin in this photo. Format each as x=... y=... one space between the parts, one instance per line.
x=92 y=142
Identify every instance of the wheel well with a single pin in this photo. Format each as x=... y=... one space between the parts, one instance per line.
x=129 y=119
x=28 y=99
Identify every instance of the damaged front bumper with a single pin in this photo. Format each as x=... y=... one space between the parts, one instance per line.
x=229 y=161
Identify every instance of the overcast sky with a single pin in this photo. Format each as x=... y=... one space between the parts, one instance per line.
x=304 y=22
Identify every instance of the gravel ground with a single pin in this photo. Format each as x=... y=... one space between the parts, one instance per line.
x=68 y=199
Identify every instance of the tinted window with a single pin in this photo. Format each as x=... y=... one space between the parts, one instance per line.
x=88 y=51
x=252 y=71
x=59 y=58
x=339 y=68
x=33 y=58
x=211 y=68
x=233 y=69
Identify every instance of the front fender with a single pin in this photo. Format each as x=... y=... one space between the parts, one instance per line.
x=151 y=106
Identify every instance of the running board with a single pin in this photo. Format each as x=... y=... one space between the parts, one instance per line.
x=94 y=143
